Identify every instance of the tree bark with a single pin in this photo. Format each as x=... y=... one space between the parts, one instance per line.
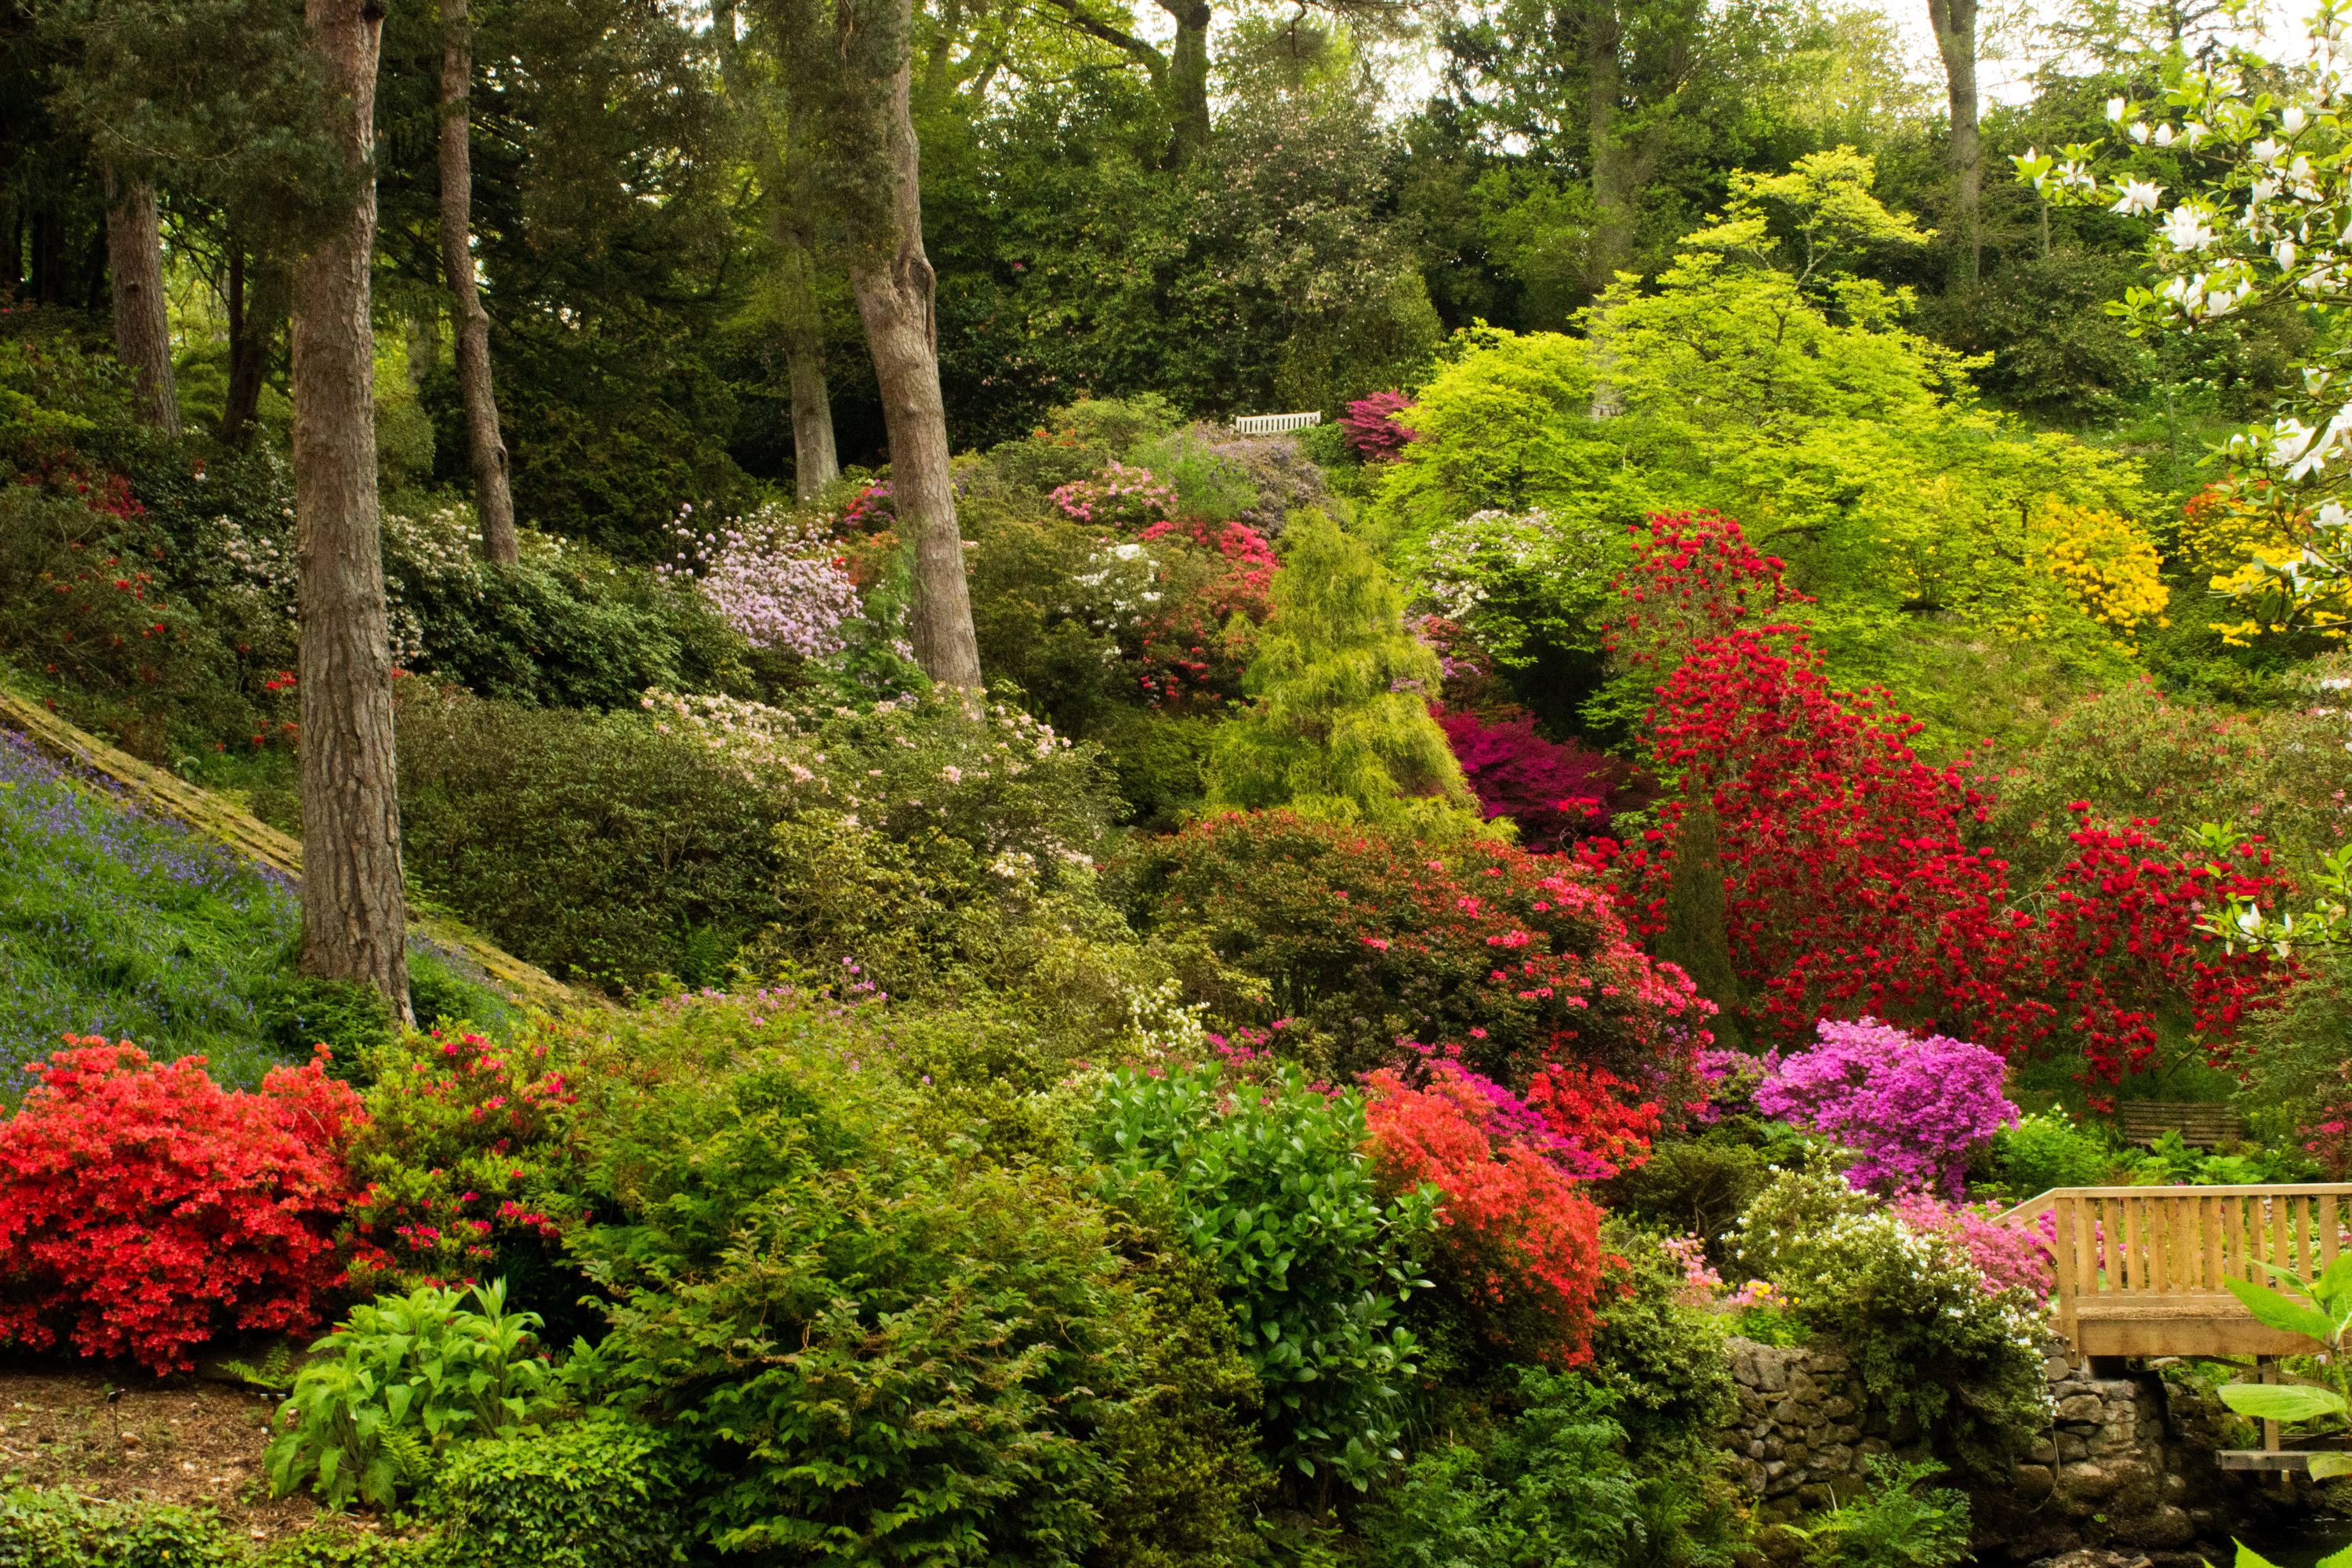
x=486 y=452
x=895 y=286
x=1955 y=25
x=1614 y=177
x=1188 y=81
x=815 y=462
x=355 y=919
x=257 y=301
x=142 y=329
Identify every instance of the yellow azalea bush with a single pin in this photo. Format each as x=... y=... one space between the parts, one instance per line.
x=2107 y=561
x=2260 y=549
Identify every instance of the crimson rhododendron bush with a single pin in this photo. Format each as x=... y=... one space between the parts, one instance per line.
x=144 y=1208
x=1351 y=942
x=1555 y=794
x=1853 y=880
x=1519 y=1241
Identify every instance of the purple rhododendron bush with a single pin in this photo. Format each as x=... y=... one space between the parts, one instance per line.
x=1914 y=1109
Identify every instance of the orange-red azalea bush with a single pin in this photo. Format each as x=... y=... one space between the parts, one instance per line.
x=1518 y=1243
x=144 y=1208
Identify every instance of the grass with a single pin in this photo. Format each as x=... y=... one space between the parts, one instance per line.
x=119 y=923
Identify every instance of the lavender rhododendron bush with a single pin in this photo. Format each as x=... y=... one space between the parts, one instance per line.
x=1914 y=1109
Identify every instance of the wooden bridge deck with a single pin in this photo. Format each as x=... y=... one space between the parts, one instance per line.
x=2141 y=1270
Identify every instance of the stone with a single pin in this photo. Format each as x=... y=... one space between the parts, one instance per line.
x=1815 y=1496
x=2166 y=1527
x=2034 y=1481
x=2086 y=1480
x=1876 y=1446
x=2094 y=1557
x=1797 y=1454
x=2071 y=1447
x=1838 y=1408
x=1755 y=1449
x=1775 y=1448
x=2056 y=1369
x=1743 y=1365
x=2044 y=1452
x=1788 y=1413
x=1830 y=1361
x=1834 y=1460
x=1844 y=1434
x=2081 y=1407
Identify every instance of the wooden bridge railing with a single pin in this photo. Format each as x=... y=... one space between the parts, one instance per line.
x=2140 y=1269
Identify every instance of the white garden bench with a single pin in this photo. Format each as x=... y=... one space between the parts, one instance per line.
x=1274 y=424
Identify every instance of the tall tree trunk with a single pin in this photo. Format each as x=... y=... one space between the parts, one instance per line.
x=354 y=921
x=1614 y=177
x=1954 y=24
x=142 y=329
x=895 y=287
x=816 y=463
x=257 y=303
x=486 y=453
x=1188 y=81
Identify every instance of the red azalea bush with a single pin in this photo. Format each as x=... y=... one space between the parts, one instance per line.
x=467 y=1150
x=1362 y=942
x=143 y=1207
x=1555 y=793
x=1199 y=645
x=1852 y=883
x=1519 y=1242
x=1373 y=428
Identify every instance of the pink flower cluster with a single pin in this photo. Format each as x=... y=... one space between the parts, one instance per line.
x=1118 y=496
x=1914 y=1109
x=1700 y=1281
x=1375 y=426
x=777 y=577
x=2008 y=1257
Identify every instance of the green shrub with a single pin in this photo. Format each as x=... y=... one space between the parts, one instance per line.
x=595 y=844
x=398 y=1383
x=2048 y=1150
x=42 y=1529
x=1661 y=1358
x=1895 y=1524
x=1697 y=1188
x=597 y=1494
x=1273 y=1190
x=296 y=1011
x=1549 y=1484
x=863 y=1349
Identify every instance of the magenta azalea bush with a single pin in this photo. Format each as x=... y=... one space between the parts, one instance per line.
x=1913 y=1109
x=1555 y=793
x=776 y=576
x=1373 y=428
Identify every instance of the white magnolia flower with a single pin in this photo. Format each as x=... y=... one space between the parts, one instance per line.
x=2115 y=107
x=2193 y=133
x=2293 y=119
x=2164 y=135
x=2269 y=150
x=2138 y=196
x=2139 y=132
x=2283 y=254
x=2185 y=229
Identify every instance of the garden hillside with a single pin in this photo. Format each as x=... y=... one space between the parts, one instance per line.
x=711 y=855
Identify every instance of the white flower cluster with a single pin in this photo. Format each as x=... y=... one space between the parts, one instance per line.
x=777 y=576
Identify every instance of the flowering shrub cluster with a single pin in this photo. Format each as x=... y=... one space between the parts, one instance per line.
x=776 y=576
x=1118 y=496
x=1852 y=885
x=1914 y=1109
x=1519 y=1241
x=456 y=1155
x=1201 y=640
x=1375 y=426
x=143 y=1207
x=1555 y=794
x=1362 y=940
x=2010 y=1259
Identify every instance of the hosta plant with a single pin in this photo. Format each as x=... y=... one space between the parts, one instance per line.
x=2324 y=1314
x=399 y=1381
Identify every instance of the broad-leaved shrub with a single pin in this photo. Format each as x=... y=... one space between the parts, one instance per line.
x=1273 y=1188
x=587 y=1494
x=400 y=1382
x=1916 y=1111
x=144 y=1208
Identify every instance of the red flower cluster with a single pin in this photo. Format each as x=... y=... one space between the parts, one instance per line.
x=1851 y=884
x=1518 y=1243
x=1196 y=645
x=143 y=1207
x=1555 y=793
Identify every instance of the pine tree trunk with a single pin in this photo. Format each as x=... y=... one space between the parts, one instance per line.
x=143 y=332
x=894 y=284
x=257 y=301
x=1614 y=177
x=1955 y=25
x=486 y=453
x=354 y=921
x=816 y=463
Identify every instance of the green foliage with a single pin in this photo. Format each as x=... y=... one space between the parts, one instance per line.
x=1187 y=1442
x=1697 y=1186
x=1551 y=1484
x=296 y=1011
x=2048 y=1150
x=2324 y=1315
x=1504 y=426
x=1896 y=1522
x=1341 y=727
x=1912 y=1310
x=43 y=1528
x=590 y=1494
x=1274 y=1191
x=400 y=1381
x=862 y=1350
x=593 y=845
x=1661 y=1358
